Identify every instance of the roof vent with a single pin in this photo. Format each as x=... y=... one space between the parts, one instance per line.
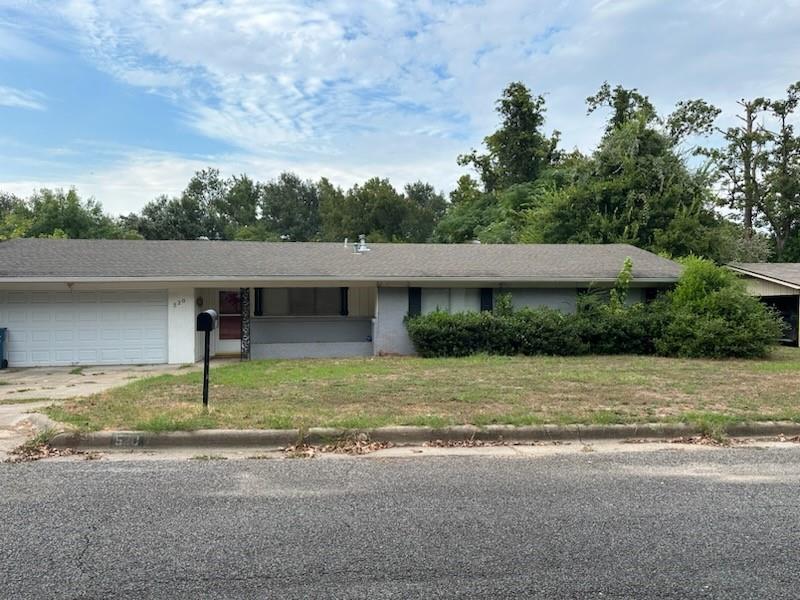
x=361 y=246
x=203 y=238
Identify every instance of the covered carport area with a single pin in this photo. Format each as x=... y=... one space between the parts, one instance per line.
x=777 y=285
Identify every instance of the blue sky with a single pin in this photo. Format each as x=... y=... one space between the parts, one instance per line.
x=124 y=100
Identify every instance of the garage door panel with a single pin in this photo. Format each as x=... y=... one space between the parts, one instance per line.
x=17 y=315
x=85 y=327
x=64 y=356
x=40 y=336
x=18 y=298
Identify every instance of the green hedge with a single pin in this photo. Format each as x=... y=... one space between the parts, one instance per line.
x=708 y=314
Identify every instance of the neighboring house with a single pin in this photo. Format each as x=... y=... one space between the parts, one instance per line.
x=778 y=286
x=68 y=302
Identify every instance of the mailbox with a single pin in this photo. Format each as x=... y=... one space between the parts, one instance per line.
x=207 y=320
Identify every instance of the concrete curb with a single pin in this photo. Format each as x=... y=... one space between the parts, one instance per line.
x=273 y=439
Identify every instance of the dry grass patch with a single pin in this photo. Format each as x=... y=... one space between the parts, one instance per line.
x=367 y=392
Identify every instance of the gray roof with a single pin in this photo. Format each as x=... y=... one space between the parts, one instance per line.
x=66 y=260
x=782 y=272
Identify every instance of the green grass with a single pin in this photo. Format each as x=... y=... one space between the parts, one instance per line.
x=362 y=393
x=77 y=371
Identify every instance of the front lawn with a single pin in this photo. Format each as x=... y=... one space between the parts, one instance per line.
x=361 y=393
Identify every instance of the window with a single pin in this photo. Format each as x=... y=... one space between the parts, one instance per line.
x=230 y=315
x=279 y=302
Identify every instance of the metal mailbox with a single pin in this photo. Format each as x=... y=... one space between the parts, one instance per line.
x=207 y=320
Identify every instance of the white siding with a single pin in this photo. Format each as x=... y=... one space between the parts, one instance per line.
x=759 y=287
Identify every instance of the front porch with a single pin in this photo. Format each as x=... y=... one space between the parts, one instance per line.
x=291 y=322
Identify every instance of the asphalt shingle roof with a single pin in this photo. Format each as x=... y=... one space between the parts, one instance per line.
x=196 y=260
x=788 y=272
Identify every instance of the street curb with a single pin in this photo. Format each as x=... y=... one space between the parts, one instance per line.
x=269 y=439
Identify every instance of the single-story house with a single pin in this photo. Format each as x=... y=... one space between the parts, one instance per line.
x=72 y=302
x=778 y=286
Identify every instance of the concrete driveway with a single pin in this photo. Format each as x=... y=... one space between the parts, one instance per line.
x=58 y=383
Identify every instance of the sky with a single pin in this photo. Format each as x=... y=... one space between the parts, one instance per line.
x=125 y=100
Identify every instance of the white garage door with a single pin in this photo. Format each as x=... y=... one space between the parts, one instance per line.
x=84 y=328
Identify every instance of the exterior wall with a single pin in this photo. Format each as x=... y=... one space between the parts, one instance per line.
x=389 y=331
x=759 y=287
x=181 y=325
x=312 y=350
x=288 y=330
x=563 y=299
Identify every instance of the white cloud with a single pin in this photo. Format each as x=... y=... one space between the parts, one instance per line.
x=16 y=98
x=356 y=89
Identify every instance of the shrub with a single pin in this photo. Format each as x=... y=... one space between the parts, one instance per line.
x=540 y=331
x=711 y=315
x=623 y=330
x=708 y=314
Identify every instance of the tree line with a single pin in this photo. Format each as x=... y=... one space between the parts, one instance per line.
x=653 y=181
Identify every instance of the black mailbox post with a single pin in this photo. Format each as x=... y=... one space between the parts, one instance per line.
x=206 y=322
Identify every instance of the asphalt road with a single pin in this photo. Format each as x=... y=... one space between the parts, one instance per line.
x=665 y=524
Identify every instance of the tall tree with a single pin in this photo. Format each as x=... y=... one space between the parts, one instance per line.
x=779 y=203
x=55 y=213
x=635 y=188
x=518 y=151
x=425 y=208
x=290 y=208
x=741 y=162
x=625 y=104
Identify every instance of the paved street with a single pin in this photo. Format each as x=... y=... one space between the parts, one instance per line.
x=674 y=522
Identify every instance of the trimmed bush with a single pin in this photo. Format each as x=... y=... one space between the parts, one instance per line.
x=623 y=330
x=543 y=331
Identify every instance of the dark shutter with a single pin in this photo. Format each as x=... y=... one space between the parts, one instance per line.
x=487 y=299
x=414 y=301
x=258 y=303
x=344 y=309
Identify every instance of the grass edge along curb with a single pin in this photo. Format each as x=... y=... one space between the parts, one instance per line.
x=400 y=435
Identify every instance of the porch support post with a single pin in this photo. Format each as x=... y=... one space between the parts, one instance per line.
x=244 y=295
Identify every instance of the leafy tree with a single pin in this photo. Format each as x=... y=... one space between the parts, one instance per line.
x=779 y=204
x=470 y=211
x=425 y=208
x=518 y=151
x=334 y=223
x=205 y=199
x=15 y=217
x=54 y=213
x=635 y=189
x=170 y=219
x=290 y=208
x=625 y=104
x=239 y=204
x=376 y=209
x=741 y=162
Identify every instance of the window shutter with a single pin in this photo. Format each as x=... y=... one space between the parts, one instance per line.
x=487 y=299
x=414 y=301
x=344 y=309
x=258 y=304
